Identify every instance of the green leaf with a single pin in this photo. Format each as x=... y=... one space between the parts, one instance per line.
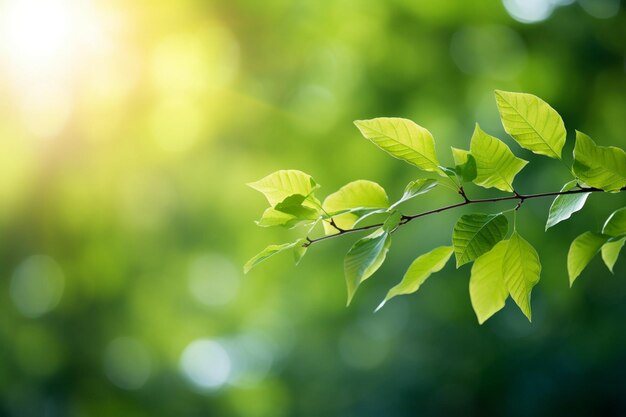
x=282 y=184
x=465 y=164
x=532 y=123
x=601 y=167
x=266 y=253
x=496 y=166
x=415 y=188
x=615 y=225
x=360 y=194
x=564 y=206
x=272 y=217
x=366 y=214
x=476 y=234
x=392 y=222
x=419 y=270
x=450 y=173
x=402 y=139
x=581 y=252
x=299 y=250
x=364 y=258
x=521 y=268
x=487 y=287
x=294 y=205
x=610 y=252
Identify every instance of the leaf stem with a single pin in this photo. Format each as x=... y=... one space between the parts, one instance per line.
x=408 y=218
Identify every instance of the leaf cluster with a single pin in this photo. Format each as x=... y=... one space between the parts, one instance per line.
x=503 y=263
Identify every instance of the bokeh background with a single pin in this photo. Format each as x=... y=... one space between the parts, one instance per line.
x=128 y=131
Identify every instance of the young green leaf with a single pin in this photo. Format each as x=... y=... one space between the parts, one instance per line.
x=476 y=234
x=364 y=258
x=610 y=252
x=356 y=194
x=282 y=184
x=415 y=188
x=392 y=222
x=564 y=206
x=465 y=164
x=581 y=252
x=266 y=253
x=402 y=139
x=366 y=214
x=532 y=123
x=496 y=166
x=615 y=225
x=521 y=268
x=602 y=167
x=487 y=287
x=293 y=205
x=272 y=217
x=419 y=270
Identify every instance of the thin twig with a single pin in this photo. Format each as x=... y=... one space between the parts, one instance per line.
x=407 y=218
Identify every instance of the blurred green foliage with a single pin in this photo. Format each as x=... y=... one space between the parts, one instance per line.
x=129 y=130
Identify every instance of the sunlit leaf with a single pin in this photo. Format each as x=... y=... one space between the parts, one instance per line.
x=272 y=217
x=402 y=139
x=293 y=205
x=602 y=167
x=488 y=290
x=415 y=188
x=532 y=123
x=364 y=258
x=581 y=252
x=361 y=194
x=611 y=251
x=496 y=166
x=266 y=253
x=564 y=206
x=465 y=164
x=615 y=225
x=521 y=269
x=419 y=270
x=476 y=234
x=282 y=184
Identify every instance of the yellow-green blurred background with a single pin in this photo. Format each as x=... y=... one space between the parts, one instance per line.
x=128 y=130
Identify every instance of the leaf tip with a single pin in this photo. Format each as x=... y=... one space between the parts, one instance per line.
x=500 y=93
x=350 y=296
x=380 y=305
x=252 y=185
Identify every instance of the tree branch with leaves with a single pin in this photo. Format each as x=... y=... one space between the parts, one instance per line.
x=502 y=266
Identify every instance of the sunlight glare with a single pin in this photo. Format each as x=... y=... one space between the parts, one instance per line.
x=43 y=44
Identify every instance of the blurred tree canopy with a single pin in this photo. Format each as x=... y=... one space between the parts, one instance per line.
x=129 y=130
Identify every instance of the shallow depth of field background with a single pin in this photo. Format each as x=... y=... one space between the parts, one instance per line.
x=128 y=130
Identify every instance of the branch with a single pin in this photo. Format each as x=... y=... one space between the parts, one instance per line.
x=406 y=219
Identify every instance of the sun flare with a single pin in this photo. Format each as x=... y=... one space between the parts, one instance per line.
x=44 y=43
